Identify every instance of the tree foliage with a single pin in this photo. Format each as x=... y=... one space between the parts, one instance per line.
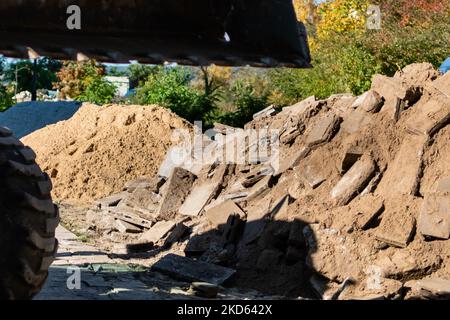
x=45 y=74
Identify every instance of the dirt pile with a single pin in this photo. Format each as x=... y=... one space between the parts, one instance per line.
x=343 y=198
x=99 y=149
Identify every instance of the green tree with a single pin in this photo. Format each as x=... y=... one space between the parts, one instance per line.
x=21 y=73
x=6 y=98
x=139 y=73
x=98 y=91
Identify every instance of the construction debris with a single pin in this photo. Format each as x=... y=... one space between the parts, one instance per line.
x=336 y=196
x=190 y=270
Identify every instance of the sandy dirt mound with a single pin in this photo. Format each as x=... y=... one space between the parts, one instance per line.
x=95 y=152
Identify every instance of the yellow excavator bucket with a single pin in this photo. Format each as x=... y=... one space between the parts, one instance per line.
x=263 y=33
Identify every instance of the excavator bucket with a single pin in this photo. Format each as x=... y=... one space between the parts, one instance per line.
x=262 y=33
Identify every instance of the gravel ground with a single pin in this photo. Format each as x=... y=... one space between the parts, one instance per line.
x=27 y=117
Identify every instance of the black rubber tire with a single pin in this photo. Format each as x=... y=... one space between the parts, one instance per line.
x=28 y=220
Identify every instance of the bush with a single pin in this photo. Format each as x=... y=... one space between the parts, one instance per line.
x=170 y=88
x=98 y=91
x=247 y=103
x=6 y=99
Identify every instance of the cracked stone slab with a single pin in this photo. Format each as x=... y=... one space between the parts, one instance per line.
x=353 y=181
x=433 y=116
x=323 y=130
x=402 y=176
x=191 y=270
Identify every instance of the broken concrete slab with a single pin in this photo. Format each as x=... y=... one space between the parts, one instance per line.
x=433 y=116
x=218 y=215
x=434 y=219
x=356 y=120
x=233 y=229
x=323 y=130
x=176 y=190
x=366 y=210
x=151 y=184
x=397 y=226
x=393 y=93
x=303 y=108
x=199 y=198
x=132 y=248
x=351 y=156
x=406 y=263
x=190 y=270
x=256 y=220
x=279 y=211
x=259 y=189
x=142 y=199
x=205 y=290
x=353 y=181
x=288 y=159
x=370 y=101
x=312 y=176
x=267 y=112
x=111 y=201
x=202 y=193
x=442 y=84
x=129 y=215
x=158 y=231
x=125 y=227
x=432 y=286
x=177 y=233
x=402 y=176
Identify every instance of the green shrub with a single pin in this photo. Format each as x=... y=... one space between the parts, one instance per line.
x=98 y=91
x=170 y=88
x=6 y=99
x=247 y=103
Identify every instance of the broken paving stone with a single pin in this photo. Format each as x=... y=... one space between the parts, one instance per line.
x=111 y=201
x=366 y=209
x=279 y=211
x=405 y=263
x=202 y=194
x=177 y=233
x=205 y=290
x=140 y=199
x=402 y=176
x=393 y=93
x=443 y=84
x=129 y=215
x=175 y=192
x=267 y=112
x=397 y=226
x=256 y=220
x=151 y=184
x=356 y=120
x=353 y=181
x=434 y=286
x=233 y=229
x=158 y=231
x=187 y=269
x=323 y=130
x=312 y=176
x=200 y=243
x=370 y=101
x=288 y=159
x=125 y=227
x=434 y=219
x=199 y=198
x=218 y=215
x=305 y=108
x=433 y=116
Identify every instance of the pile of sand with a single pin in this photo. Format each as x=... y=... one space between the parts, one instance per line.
x=95 y=152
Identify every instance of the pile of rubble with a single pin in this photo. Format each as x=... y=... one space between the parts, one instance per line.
x=346 y=198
